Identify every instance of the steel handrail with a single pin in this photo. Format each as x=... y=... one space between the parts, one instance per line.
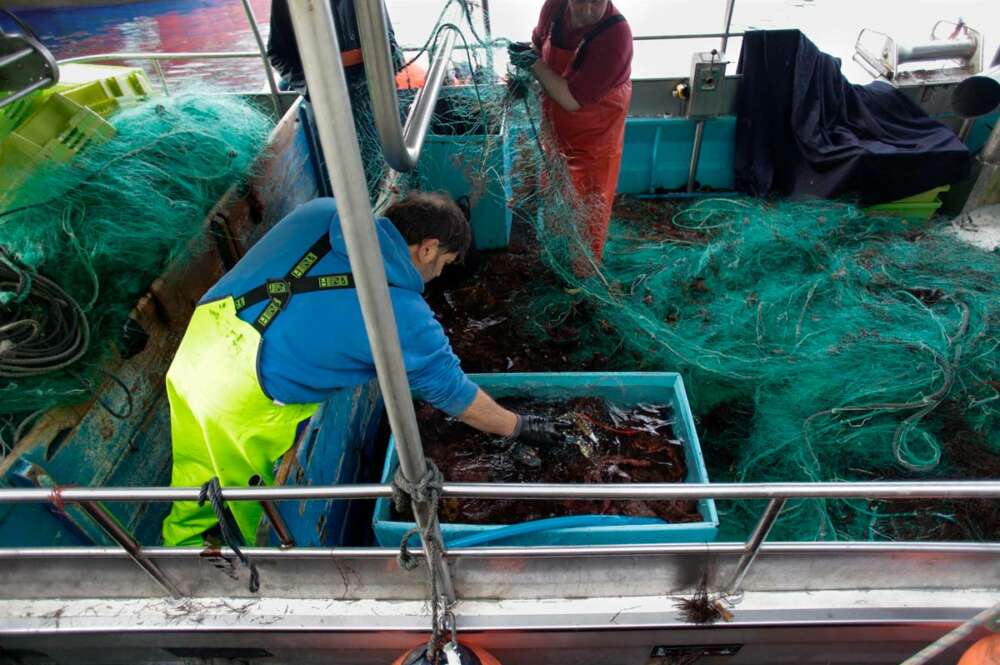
x=401 y=146
x=954 y=489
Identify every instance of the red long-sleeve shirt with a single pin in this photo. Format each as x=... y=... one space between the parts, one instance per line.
x=608 y=62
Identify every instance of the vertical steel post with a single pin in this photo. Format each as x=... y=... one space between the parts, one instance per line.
x=752 y=546
x=163 y=79
x=317 y=39
x=727 y=23
x=986 y=191
x=129 y=544
x=699 y=133
x=275 y=99
x=488 y=32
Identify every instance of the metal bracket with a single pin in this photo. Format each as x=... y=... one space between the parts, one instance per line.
x=25 y=66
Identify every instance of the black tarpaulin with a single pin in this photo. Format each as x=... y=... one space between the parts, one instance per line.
x=804 y=131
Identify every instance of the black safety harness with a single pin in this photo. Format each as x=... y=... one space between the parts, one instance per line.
x=581 y=51
x=278 y=292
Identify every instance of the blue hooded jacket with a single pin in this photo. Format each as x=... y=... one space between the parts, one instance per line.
x=318 y=343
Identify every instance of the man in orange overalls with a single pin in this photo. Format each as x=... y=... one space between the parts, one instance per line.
x=581 y=54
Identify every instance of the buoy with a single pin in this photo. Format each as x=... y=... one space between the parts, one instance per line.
x=469 y=654
x=984 y=652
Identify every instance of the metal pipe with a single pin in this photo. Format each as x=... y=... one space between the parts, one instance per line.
x=966 y=129
x=695 y=35
x=130 y=545
x=752 y=546
x=413 y=48
x=163 y=79
x=147 y=55
x=37 y=85
x=986 y=191
x=699 y=133
x=317 y=39
x=400 y=146
x=954 y=489
x=727 y=23
x=488 y=31
x=386 y=553
x=263 y=56
x=938 y=49
x=148 y=494
x=15 y=56
x=274 y=517
x=878 y=490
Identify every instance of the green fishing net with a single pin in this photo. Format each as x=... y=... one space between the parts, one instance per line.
x=81 y=242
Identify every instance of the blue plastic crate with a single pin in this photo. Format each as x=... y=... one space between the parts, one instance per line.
x=456 y=164
x=657 y=154
x=623 y=389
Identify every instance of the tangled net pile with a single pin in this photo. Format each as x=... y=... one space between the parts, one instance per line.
x=835 y=346
x=80 y=243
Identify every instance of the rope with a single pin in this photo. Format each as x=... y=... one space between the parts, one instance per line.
x=426 y=490
x=43 y=329
x=211 y=491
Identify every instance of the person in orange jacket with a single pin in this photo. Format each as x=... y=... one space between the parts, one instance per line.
x=581 y=54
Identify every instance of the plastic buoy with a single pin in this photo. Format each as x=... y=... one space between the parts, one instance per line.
x=984 y=652
x=468 y=654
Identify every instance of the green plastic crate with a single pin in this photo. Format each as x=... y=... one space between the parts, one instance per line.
x=916 y=208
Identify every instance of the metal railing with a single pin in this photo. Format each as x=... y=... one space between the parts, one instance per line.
x=261 y=53
x=776 y=493
x=401 y=146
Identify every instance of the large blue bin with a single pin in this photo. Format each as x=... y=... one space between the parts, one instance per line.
x=623 y=389
x=340 y=436
x=477 y=166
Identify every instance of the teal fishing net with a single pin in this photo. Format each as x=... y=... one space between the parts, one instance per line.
x=79 y=243
x=817 y=342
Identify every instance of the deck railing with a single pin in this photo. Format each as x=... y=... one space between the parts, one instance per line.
x=776 y=493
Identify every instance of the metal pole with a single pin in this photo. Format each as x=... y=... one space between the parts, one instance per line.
x=488 y=31
x=728 y=22
x=400 y=146
x=952 y=638
x=953 y=489
x=965 y=129
x=37 y=85
x=263 y=56
x=986 y=191
x=130 y=545
x=752 y=546
x=699 y=132
x=317 y=38
x=274 y=517
x=163 y=79
x=152 y=55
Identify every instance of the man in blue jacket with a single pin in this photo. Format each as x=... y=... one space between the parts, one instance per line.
x=283 y=329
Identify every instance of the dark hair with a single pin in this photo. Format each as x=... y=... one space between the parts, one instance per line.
x=431 y=215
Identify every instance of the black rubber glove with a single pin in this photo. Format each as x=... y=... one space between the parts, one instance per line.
x=522 y=55
x=537 y=431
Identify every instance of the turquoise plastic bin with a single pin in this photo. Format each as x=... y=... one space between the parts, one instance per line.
x=657 y=154
x=623 y=389
x=455 y=164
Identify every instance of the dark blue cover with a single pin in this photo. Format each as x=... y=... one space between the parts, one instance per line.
x=804 y=131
